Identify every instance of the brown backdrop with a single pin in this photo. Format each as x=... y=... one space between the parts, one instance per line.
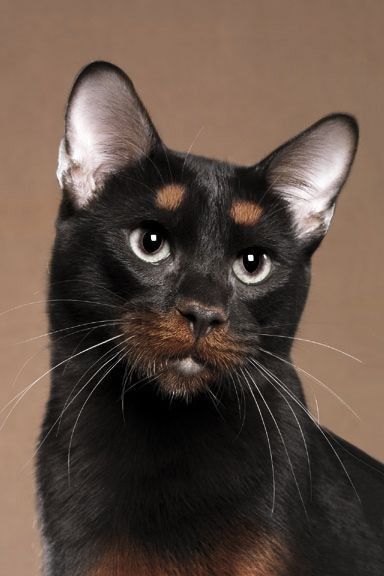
x=244 y=76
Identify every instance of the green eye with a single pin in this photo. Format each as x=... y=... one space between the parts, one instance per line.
x=252 y=266
x=150 y=244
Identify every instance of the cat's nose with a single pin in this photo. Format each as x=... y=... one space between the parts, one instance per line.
x=202 y=319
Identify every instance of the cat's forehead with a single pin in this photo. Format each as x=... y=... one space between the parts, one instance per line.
x=212 y=185
x=213 y=176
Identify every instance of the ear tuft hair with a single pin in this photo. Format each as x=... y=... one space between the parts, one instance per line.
x=106 y=129
x=310 y=170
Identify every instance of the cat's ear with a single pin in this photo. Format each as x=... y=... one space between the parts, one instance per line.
x=309 y=171
x=106 y=129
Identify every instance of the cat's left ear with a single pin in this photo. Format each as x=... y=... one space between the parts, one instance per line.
x=107 y=128
x=309 y=171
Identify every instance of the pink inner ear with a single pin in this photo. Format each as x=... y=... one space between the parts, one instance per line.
x=310 y=171
x=107 y=129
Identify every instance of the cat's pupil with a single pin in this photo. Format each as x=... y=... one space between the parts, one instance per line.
x=152 y=241
x=252 y=260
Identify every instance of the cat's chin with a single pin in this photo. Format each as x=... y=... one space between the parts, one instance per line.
x=187 y=366
x=185 y=378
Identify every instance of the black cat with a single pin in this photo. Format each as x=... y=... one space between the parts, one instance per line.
x=177 y=440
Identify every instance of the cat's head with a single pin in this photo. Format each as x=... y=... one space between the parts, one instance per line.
x=192 y=261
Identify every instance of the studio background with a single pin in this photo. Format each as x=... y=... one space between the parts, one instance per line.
x=236 y=79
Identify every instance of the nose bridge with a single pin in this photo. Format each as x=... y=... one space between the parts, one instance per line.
x=208 y=289
x=205 y=279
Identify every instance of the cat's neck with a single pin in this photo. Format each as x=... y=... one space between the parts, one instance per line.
x=143 y=436
x=156 y=474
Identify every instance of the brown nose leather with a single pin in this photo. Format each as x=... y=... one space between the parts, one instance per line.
x=202 y=319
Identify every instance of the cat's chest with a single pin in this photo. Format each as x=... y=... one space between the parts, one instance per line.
x=265 y=557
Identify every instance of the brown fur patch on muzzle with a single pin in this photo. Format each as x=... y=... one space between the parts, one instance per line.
x=155 y=340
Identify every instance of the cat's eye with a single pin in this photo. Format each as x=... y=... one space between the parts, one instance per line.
x=252 y=266
x=149 y=243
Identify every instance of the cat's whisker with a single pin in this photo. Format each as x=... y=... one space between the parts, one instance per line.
x=323 y=384
x=56 y=300
x=268 y=375
x=147 y=379
x=244 y=407
x=190 y=149
x=164 y=148
x=268 y=441
x=91 y=283
x=125 y=381
x=27 y=362
x=282 y=440
x=79 y=344
x=141 y=183
x=142 y=153
x=136 y=362
x=69 y=401
x=20 y=371
x=215 y=402
x=237 y=397
x=85 y=325
x=20 y=395
x=120 y=357
x=322 y=344
x=276 y=208
x=317 y=408
x=85 y=373
x=311 y=417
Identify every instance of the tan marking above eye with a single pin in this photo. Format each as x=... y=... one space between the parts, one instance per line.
x=170 y=197
x=245 y=212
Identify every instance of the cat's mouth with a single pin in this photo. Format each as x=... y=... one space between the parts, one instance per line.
x=187 y=366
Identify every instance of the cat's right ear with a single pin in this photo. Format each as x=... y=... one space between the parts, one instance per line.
x=309 y=170
x=106 y=129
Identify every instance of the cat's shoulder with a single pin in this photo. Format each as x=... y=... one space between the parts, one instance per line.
x=367 y=475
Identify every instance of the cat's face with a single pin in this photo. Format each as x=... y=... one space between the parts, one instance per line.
x=197 y=260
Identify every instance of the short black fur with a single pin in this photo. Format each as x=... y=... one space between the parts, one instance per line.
x=180 y=467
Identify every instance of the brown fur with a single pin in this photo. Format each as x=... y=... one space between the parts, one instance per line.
x=245 y=213
x=264 y=557
x=159 y=337
x=170 y=197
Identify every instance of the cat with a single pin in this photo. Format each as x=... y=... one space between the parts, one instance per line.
x=177 y=439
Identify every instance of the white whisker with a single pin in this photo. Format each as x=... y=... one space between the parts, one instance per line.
x=317 y=409
x=119 y=354
x=20 y=395
x=84 y=326
x=20 y=306
x=268 y=441
x=69 y=402
x=85 y=373
x=322 y=344
x=267 y=375
x=311 y=417
x=190 y=149
x=323 y=384
x=283 y=442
